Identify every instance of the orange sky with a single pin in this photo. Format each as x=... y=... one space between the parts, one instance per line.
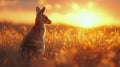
x=69 y=11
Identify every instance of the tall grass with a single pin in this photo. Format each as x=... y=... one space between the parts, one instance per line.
x=66 y=46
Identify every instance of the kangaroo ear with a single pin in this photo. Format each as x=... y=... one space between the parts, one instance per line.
x=42 y=10
x=37 y=10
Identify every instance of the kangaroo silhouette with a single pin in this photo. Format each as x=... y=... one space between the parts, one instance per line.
x=32 y=45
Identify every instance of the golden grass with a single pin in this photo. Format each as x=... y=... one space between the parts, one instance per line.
x=66 y=46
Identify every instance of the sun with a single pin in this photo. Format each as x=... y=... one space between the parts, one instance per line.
x=85 y=19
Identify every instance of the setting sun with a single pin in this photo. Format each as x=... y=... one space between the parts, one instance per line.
x=86 y=19
x=83 y=18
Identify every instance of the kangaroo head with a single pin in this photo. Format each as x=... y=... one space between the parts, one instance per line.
x=41 y=16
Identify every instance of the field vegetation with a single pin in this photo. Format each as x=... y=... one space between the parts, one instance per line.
x=66 y=46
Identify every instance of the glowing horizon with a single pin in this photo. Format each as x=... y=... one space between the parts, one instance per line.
x=82 y=18
x=86 y=14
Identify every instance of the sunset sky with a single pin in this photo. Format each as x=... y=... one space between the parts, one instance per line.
x=75 y=12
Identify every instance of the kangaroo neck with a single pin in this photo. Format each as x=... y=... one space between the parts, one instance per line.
x=39 y=26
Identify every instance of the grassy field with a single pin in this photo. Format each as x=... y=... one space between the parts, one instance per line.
x=66 y=46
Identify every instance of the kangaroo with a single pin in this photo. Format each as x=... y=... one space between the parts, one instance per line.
x=32 y=45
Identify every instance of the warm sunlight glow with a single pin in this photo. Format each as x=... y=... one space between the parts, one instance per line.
x=75 y=6
x=85 y=18
x=91 y=4
x=82 y=13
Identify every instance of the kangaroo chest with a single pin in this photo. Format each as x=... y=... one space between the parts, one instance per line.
x=38 y=34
